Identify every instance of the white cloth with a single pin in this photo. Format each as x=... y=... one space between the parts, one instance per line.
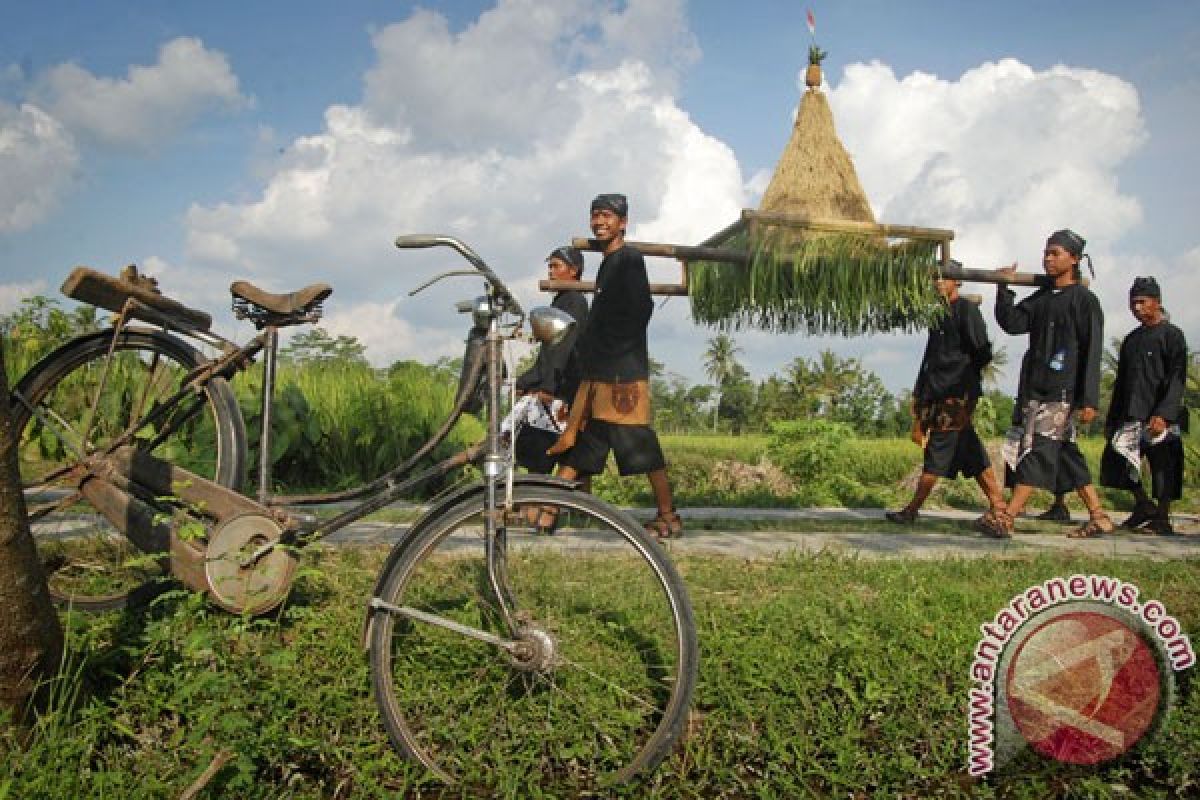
x=530 y=410
x=1131 y=438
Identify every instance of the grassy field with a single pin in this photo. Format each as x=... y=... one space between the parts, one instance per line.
x=736 y=471
x=820 y=676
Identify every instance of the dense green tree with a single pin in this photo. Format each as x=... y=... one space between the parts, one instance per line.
x=36 y=327
x=316 y=345
x=737 y=399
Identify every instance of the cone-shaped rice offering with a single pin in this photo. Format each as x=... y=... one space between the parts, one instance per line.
x=816 y=261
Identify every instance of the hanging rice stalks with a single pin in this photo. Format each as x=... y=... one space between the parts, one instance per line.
x=815 y=281
x=826 y=283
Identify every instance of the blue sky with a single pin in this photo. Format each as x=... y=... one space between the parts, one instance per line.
x=290 y=142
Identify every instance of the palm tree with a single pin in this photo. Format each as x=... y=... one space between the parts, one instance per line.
x=720 y=360
x=720 y=363
x=830 y=375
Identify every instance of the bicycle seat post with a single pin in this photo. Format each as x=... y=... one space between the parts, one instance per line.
x=270 y=336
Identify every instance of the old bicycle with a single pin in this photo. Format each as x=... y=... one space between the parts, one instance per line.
x=573 y=653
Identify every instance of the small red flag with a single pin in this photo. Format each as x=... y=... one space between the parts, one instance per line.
x=812 y=23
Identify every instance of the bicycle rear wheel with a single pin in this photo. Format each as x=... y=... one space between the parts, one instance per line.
x=600 y=687
x=71 y=407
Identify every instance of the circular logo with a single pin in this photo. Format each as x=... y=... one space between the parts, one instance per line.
x=1084 y=686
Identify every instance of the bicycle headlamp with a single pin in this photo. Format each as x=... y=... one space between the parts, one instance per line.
x=549 y=324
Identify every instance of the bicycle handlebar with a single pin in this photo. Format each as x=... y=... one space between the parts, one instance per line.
x=409 y=241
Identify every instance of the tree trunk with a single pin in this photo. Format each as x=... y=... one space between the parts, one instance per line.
x=30 y=635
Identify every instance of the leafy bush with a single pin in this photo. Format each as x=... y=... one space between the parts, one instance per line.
x=811 y=449
x=341 y=424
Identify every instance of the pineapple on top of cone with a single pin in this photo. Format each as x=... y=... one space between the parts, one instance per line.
x=812 y=76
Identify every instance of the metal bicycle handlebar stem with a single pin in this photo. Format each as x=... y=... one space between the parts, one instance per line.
x=495 y=462
x=413 y=241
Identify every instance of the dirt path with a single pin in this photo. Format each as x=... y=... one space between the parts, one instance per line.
x=741 y=541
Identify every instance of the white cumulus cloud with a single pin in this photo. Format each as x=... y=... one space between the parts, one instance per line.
x=38 y=159
x=500 y=134
x=150 y=104
x=1004 y=155
x=11 y=294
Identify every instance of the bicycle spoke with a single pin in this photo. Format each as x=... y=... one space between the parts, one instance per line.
x=597 y=679
x=82 y=403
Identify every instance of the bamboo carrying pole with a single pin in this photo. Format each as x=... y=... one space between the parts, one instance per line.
x=725 y=255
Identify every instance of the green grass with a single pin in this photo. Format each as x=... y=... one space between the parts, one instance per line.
x=747 y=448
x=867 y=473
x=820 y=676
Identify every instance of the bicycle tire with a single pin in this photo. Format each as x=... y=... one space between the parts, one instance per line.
x=90 y=566
x=615 y=697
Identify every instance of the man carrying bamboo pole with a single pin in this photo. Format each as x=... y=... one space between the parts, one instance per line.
x=611 y=409
x=1060 y=377
x=948 y=386
x=1146 y=413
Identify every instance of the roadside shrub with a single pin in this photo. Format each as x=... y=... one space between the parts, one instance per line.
x=810 y=450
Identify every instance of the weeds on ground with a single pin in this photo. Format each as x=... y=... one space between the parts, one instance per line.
x=820 y=676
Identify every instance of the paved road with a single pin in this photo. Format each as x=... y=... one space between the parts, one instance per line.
x=903 y=542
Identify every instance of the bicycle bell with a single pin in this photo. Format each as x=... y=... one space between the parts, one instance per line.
x=549 y=324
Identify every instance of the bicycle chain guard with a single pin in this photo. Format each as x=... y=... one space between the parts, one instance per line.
x=245 y=574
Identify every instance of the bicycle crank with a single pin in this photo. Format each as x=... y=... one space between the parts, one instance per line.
x=248 y=571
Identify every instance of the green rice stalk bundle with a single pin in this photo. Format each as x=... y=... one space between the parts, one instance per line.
x=828 y=283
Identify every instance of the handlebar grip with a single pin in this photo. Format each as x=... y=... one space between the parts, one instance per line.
x=414 y=240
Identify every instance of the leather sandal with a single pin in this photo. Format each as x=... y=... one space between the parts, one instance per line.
x=1097 y=525
x=666 y=525
x=547 y=524
x=996 y=524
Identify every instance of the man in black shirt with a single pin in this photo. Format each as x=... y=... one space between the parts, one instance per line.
x=1146 y=412
x=554 y=374
x=1060 y=377
x=948 y=386
x=611 y=409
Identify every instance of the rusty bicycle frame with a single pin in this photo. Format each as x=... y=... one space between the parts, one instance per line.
x=122 y=482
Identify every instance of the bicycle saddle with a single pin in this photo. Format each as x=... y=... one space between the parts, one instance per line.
x=290 y=303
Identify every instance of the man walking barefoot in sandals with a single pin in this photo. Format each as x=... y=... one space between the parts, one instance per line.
x=948 y=386
x=611 y=409
x=1060 y=377
x=1146 y=414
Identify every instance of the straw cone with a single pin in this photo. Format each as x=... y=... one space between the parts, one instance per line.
x=815 y=176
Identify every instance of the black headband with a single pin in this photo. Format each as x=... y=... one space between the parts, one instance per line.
x=570 y=255
x=1145 y=287
x=615 y=203
x=1068 y=240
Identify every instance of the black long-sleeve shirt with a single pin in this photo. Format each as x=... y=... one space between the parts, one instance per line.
x=549 y=369
x=956 y=351
x=612 y=347
x=1151 y=374
x=1066 y=343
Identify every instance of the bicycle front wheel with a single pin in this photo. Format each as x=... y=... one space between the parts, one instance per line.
x=598 y=689
x=72 y=407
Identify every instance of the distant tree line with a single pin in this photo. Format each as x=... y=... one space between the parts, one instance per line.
x=826 y=386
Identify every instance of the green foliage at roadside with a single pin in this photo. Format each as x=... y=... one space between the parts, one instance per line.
x=38 y=326
x=818 y=463
x=820 y=676
x=341 y=423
